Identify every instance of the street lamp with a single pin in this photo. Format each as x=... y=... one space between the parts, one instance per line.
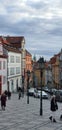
x=28 y=77
x=41 y=67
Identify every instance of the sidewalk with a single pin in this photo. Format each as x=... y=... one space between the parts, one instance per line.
x=22 y=116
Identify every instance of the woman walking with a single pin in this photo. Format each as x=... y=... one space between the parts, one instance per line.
x=53 y=108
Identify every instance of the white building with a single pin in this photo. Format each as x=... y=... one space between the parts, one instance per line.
x=19 y=43
x=15 y=48
x=14 y=68
x=3 y=69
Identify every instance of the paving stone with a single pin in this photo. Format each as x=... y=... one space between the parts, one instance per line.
x=22 y=116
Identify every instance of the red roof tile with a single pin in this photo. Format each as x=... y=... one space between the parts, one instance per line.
x=12 y=49
x=3 y=40
x=15 y=40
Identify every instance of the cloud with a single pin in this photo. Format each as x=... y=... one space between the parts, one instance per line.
x=39 y=21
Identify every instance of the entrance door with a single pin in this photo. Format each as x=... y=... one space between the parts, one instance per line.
x=0 y=84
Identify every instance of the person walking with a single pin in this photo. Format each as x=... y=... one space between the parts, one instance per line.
x=3 y=101
x=19 y=93
x=53 y=108
x=9 y=95
x=22 y=91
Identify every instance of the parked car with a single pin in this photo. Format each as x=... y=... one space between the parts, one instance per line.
x=44 y=95
x=31 y=92
x=47 y=90
x=38 y=94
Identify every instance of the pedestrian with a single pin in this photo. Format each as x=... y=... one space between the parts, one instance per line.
x=22 y=91
x=19 y=93
x=53 y=108
x=3 y=101
x=9 y=95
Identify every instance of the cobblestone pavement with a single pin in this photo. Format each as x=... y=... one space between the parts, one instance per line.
x=22 y=116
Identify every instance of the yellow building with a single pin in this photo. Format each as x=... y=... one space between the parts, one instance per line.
x=55 y=70
x=38 y=75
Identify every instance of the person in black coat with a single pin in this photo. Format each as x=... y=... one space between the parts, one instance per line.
x=53 y=108
x=3 y=101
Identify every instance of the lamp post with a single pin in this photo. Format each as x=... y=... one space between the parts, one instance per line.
x=41 y=67
x=28 y=77
x=8 y=86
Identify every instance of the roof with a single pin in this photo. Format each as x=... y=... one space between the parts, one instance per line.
x=12 y=49
x=3 y=40
x=53 y=59
x=15 y=40
x=11 y=43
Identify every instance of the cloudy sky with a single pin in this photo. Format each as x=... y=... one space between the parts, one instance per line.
x=39 y=21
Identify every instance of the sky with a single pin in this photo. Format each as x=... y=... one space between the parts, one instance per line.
x=39 y=21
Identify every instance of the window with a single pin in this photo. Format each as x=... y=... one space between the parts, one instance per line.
x=4 y=79
x=17 y=59
x=17 y=70
x=12 y=59
x=12 y=71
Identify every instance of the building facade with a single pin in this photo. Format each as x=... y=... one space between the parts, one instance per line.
x=14 y=71
x=19 y=43
x=28 y=61
x=60 y=69
x=14 y=47
x=3 y=69
x=48 y=74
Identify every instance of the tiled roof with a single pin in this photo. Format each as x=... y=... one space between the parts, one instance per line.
x=12 y=49
x=53 y=59
x=3 y=40
x=12 y=43
x=15 y=40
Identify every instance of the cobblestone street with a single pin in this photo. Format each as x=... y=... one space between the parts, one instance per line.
x=22 y=116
